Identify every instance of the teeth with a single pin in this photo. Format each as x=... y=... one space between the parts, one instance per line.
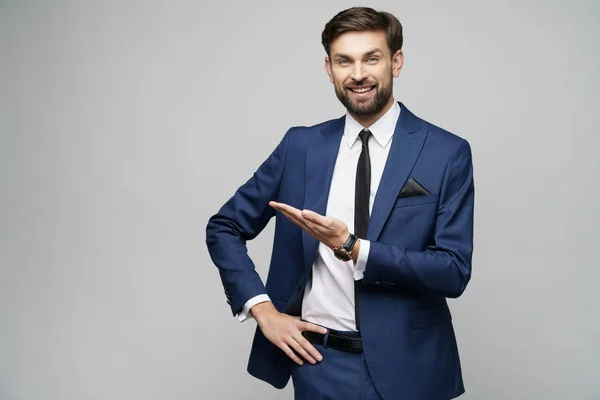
x=361 y=90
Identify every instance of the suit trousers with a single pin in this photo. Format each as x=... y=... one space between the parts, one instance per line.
x=339 y=376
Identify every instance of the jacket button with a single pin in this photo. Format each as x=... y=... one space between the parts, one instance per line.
x=299 y=286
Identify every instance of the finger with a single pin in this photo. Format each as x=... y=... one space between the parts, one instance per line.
x=307 y=326
x=276 y=206
x=286 y=207
x=287 y=350
x=300 y=350
x=310 y=349
x=316 y=227
x=311 y=229
x=318 y=219
x=295 y=220
x=298 y=218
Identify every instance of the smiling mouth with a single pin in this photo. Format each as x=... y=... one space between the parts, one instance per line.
x=361 y=89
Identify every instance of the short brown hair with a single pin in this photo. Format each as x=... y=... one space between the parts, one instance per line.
x=359 y=19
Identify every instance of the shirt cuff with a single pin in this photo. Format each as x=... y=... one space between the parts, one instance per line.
x=361 y=260
x=245 y=312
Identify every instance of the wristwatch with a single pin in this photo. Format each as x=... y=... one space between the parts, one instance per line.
x=344 y=252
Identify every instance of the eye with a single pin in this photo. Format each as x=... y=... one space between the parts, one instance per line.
x=342 y=61
x=372 y=59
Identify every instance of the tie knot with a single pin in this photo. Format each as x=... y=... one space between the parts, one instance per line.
x=364 y=136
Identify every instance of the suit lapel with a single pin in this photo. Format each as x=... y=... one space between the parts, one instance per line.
x=320 y=162
x=407 y=143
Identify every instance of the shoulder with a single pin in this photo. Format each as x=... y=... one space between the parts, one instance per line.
x=303 y=135
x=443 y=140
x=322 y=126
x=444 y=137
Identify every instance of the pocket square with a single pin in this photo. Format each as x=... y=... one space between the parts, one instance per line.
x=412 y=188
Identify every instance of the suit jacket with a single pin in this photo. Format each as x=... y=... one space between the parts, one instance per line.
x=421 y=247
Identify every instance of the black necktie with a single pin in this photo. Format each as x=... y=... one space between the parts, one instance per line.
x=362 y=193
x=363 y=188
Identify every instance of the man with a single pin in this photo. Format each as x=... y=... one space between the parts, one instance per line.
x=373 y=232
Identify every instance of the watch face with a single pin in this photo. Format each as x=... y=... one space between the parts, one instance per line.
x=342 y=255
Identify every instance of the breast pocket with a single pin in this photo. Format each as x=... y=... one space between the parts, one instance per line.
x=415 y=200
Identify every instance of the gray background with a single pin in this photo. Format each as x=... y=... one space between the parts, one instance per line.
x=124 y=126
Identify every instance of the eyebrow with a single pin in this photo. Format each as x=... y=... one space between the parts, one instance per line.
x=367 y=54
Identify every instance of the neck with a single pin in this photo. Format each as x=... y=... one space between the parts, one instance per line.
x=367 y=120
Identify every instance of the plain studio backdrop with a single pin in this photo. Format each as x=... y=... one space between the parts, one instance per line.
x=125 y=125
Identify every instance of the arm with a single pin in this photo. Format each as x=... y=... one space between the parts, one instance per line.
x=241 y=219
x=445 y=266
x=245 y=313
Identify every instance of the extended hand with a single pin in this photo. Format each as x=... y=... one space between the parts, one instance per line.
x=285 y=332
x=330 y=231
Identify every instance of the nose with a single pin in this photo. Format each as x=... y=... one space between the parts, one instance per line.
x=359 y=73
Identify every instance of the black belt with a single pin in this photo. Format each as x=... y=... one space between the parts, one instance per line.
x=335 y=341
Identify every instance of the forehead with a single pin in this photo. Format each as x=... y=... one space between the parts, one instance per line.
x=355 y=44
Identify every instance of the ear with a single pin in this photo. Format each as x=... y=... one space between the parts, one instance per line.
x=397 y=63
x=328 y=69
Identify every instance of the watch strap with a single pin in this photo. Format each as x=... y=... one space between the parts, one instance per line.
x=350 y=242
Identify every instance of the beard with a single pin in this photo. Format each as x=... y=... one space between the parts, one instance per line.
x=365 y=108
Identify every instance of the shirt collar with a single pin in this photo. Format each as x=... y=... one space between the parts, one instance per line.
x=382 y=129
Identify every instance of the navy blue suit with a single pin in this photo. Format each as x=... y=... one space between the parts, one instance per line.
x=420 y=253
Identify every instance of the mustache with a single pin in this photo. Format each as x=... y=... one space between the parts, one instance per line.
x=355 y=84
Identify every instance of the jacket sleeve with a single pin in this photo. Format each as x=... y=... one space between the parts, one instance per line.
x=445 y=266
x=241 y=219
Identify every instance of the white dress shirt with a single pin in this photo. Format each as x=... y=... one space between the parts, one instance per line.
x=329 y=296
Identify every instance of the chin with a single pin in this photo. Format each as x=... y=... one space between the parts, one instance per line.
x=365 y=109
